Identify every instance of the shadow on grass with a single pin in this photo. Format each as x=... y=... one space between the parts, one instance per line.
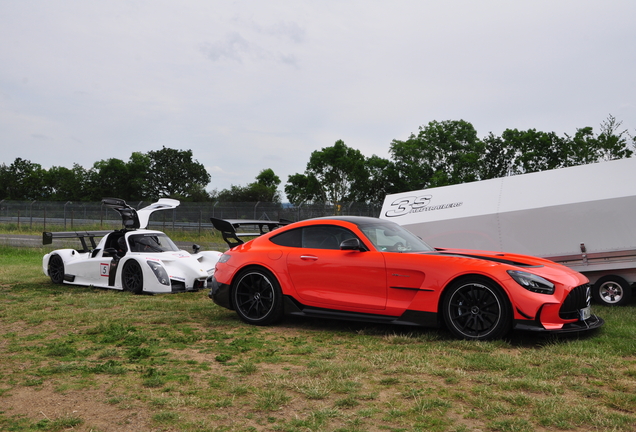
x=519 y=339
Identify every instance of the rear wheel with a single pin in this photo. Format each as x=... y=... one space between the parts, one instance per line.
x=56 y=269
x=612 y=291
x=475 y=308
x=132 y=278
x=257 y=297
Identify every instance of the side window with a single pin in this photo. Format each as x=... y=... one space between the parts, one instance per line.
x=314 y=237
x=288 y=238
x=121 y=244
x=325 y=237
x=116 y=241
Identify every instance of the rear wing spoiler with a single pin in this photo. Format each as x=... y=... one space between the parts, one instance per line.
x=228 y=228
x=47 y=237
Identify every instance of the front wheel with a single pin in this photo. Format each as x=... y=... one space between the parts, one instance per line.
x=257 y=297
x=132 y=277
x=56 y=269
x=476 y=309
x=612 y=291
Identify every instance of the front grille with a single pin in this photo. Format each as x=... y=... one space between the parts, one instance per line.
x=578 y=298
x=177 y=286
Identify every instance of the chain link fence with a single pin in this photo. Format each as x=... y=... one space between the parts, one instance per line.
x=54 y=215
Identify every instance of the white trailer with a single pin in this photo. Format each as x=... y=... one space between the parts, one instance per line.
x=582 y=217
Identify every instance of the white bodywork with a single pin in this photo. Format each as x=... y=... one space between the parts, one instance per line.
x=581 y=216
x=182 y=271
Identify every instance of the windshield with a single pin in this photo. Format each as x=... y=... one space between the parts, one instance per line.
x=151 y=242
x=390 y=237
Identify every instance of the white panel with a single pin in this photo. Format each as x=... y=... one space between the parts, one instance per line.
x=545 y=214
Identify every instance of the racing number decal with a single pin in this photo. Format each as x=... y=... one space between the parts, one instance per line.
x=406 y=204
x=104 y=269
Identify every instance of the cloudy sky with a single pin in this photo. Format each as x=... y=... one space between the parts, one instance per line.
x=249 y=85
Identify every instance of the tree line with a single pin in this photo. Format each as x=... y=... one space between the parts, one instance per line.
x=162 y=173
x=441 y=153
x=450 y=152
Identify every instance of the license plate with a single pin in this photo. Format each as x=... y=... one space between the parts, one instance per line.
x=585 y=313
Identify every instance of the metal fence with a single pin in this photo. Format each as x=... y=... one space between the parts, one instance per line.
x=188 y=216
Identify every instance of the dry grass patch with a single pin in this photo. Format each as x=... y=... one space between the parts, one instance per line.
x=96 y=360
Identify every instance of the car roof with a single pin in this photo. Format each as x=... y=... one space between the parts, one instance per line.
x=357 y=220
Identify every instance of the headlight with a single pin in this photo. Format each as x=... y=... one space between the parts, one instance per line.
x=160 y=272
x=532 y=282
x=224 y=258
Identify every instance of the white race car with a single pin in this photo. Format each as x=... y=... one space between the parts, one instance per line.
x=131 y=259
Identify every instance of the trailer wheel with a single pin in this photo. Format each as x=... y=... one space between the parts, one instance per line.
x=612 y=291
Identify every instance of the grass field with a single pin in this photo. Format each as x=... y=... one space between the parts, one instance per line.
x=86 y=359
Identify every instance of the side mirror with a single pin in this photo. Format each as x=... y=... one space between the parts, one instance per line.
x=351 y=244
x=111 y=252
x=196 y=248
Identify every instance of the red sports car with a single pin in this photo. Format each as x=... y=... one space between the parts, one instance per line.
x=367 y=269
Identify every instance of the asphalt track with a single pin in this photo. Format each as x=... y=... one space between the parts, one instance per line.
x=21 y=240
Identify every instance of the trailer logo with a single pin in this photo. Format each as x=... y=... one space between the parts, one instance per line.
x=414 y=204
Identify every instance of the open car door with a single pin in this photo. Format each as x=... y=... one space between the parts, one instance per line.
x=138 y=219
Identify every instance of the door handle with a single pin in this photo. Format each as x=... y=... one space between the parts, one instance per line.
x=308 y=257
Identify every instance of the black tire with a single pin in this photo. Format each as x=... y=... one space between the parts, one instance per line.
x=132 y=277
x=56 y=269
x=476 y=309
x=612 y=290
x=257 y=297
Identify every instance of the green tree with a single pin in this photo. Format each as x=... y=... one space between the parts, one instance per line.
x=138 y=169
x=197 y=193
x=234 y=194
x=108 y=178
x=497 y=159
x=538 y=151
x=382 y=179
x=173 y=173
x=268 y=178
x=4 y=181
x=302 y=188
x=23 y=180
x=613 y=143
x=442 y=153
x=336 y=174
x=582 y=147
x=535 y=150
x=64 y=184
x=264 y=189
x=266 y=186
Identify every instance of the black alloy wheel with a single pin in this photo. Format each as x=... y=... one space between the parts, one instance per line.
x=56 y=269
x=132 y=277
x=476 y=309
x=257 y=297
